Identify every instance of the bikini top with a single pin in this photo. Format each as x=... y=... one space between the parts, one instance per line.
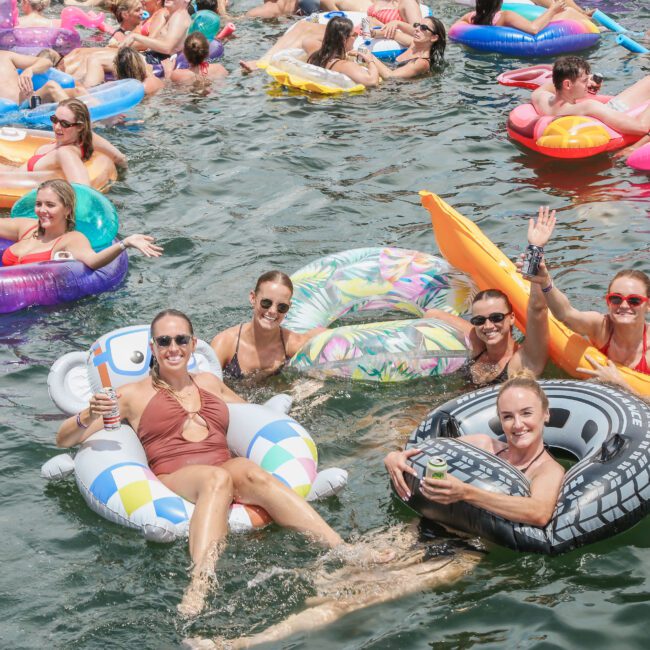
x=642 y=366
x=401 y=64
x=11 y=259
x=233 y=370
x=204 y=68
x=31 y=163
x=499 y=379
x=384 y=15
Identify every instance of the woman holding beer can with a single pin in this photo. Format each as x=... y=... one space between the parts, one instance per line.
x=621 y=333
x=522 y=407
x=495 y=355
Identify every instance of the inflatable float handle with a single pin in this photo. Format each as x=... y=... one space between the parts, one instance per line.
x=57 y=468
x=631 y=45
x=327 y=483
x=280 y=403
x=228 y=30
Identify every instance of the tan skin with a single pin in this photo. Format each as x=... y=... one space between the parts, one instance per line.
x=52 y=217
x=14 y=87
x=212 y=489
x=492 y=344
x=522 y=418
x=260 y=346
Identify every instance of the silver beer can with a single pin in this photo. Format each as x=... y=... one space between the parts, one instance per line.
x=532 y=261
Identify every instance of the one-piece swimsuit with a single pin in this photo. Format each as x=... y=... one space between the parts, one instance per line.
x=233 y=370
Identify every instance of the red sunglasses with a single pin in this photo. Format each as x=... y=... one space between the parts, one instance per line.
x=633 y=300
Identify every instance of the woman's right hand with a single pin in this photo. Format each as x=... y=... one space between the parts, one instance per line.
x=144 y=243
x=540 y=230
x=367 y=57
x=100 y=404
x=396 y=465
x=543 y=277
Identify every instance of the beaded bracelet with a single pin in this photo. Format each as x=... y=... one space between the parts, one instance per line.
x=80 y=424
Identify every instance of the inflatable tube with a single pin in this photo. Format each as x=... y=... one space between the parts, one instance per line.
x=289 y=68
x=8 y=13
x=530 y=78
x=54 y=282
x=103 y=101
x=39 y=80
x=559 y=37
x=469 y=250
x=111 y=468
x=640 y=159
x=18 y=145
x=371 y=279
x=570 y=136
x=31 y=40
x=73 y=16
x=606 y=492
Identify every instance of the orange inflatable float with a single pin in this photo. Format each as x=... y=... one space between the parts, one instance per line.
x=464 y=246
x=17 y=146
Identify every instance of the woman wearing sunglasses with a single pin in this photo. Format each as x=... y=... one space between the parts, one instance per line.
x=495 y=355
x=74 y=143
x=182 y=420
x=262 y=345
x=621 y=333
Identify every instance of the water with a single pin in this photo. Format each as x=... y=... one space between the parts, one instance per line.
x=253 y=177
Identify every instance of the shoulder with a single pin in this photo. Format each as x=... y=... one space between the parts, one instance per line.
x=211 y=383
x=69 y=151
x=482 y=441
x=548 y=469
x=226 y=338
x=180 y=76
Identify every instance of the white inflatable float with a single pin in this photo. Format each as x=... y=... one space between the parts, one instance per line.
x=111 y=468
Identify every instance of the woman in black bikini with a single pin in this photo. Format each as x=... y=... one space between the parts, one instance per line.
x=523 y=410
x=262 y=345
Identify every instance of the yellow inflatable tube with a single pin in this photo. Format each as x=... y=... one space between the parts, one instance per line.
x=290 y=69
x=464 y=246
x=17 y=146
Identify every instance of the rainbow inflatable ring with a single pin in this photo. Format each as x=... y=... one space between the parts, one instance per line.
x=559 y=37
x=111 y=467
x=571 y=136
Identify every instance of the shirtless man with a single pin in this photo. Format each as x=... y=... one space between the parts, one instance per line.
x=14 y=87
x=277 y=8
x=569 y=95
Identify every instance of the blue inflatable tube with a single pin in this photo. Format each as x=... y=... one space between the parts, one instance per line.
x=104 y=101
x=559 y=37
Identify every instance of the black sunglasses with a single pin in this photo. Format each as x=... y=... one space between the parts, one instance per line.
x=64 y=123
x=267 y=303
x=496 y=317
x=165 y=341
x=424 y=28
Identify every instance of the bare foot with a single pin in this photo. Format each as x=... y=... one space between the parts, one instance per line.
x=248 y=66
x=195 y=595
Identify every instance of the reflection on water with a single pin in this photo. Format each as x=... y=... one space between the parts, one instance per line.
x=253 y=178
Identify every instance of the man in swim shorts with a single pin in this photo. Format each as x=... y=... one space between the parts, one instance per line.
x=569 y=94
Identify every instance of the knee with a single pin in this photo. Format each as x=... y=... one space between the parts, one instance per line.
x=257 y=477
x=217 y=481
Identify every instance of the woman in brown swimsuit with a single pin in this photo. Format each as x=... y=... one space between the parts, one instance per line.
x=182 y=420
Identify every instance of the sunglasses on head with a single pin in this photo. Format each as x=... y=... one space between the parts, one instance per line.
x=165 y=341
x=496 y=317
x=424 y=28
x=633 y=300
x=267 y=303
x=64 y=123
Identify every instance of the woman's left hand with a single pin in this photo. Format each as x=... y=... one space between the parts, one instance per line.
x=144 y=243
x=445 y=491
x=128 y=41
x=608 y=373
x=540 y=230
x=389 y=29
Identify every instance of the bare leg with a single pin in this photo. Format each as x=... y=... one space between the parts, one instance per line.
x=637 y=94
x=273 y=9
x=409 y=11
x=291 y=39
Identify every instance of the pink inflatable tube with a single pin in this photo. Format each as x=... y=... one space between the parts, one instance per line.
x=31 y=40
x=640 y=159
x=53 y=282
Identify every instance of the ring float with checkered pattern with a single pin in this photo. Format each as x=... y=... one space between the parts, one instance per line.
x=111 y=467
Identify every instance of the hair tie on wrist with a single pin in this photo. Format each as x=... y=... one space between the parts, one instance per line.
x=80 y=424
x=547 y=289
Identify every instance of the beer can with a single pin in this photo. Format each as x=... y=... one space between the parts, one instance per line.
x=532 y=260
x=362 y=49
x=35 y=101
x=112 y=420
x=365 y=29
x=436 y=468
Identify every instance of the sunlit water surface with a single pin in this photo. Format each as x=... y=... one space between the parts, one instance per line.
x=253 y=177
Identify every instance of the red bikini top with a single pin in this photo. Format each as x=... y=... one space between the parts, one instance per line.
x=642 y=366
x=11 y=259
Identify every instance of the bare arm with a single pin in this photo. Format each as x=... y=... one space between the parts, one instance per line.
x=569 y=3
x=533 y=354
x=513 y=19
x=369 y=76
x=12 y=228
x=295 y=341
x=170 y=43
x=222 y=344
x=72 y=166
x=103 y=145
x=621 y=122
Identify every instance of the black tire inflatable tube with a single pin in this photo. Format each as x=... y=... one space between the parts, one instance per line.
x=606 y=492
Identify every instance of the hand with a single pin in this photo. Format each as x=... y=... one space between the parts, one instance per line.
x=558 y=6
x=366 y=57
x=396 y=465
x=608 y=373
x=121 y=161
x=543 y=277
x=144 y=244
x=540 y=231
x=25 y=82
x=389 y=29
x=128 y=41
x=446 y=491
x=100 y=404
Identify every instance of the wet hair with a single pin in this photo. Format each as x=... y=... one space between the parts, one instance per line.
x=437 y=50
x=635 y=275
x=81 y=115
x=569 y=67
x=154 y=369
x=129 y=64
x=196 y=48
x=338 y=30
x=485 y=12
x=524 y=379
x=38 y=5
x=274 y=276
x=119 y=7
x=206 y=5
x=68 y=198
x=492 y=293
